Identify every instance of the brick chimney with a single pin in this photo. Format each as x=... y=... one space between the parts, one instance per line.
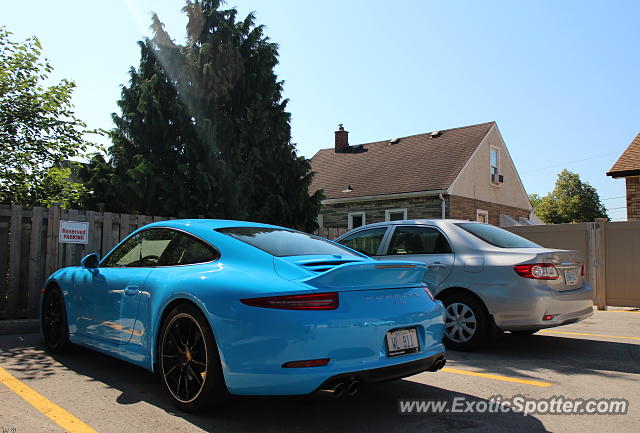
x=342 y=139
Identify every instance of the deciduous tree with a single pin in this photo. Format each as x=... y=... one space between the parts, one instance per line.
x=38 y=128
x=571 y=201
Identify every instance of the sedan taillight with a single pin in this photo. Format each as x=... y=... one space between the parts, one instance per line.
x=537 y=271
x=311 y=301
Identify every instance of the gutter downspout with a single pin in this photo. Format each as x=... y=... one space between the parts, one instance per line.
x=443 y=206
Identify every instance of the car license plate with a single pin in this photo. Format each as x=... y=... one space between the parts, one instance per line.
x=402 y=342
x=571 y=277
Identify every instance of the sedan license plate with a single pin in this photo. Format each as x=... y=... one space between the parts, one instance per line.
x=571 y=277
x=402 y=342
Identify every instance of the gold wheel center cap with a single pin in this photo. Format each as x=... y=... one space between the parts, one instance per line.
x=188 y=356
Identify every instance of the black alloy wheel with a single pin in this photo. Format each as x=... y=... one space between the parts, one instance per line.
x=188 y=359
x=54 y=321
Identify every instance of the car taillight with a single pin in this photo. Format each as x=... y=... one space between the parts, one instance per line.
x=311 y=301
x=582 y=271
x=537 y=271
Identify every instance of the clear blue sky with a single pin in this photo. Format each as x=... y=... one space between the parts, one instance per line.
x=560 y=78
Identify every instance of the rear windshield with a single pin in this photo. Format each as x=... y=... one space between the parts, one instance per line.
x=496 y=236
x=283 y=242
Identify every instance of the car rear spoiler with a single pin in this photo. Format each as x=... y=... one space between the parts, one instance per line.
x=370 y=275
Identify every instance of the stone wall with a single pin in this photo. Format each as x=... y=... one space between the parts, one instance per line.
x=336 y=215
x=465 y=208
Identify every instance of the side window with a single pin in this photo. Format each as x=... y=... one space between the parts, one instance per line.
x=365 y=241
x=142 y=250
x=154 y=244
x=418 y=240
x=126 y=254
x=186 y=250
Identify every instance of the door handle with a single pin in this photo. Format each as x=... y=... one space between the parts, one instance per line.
x=437 y=265
x=131 y=290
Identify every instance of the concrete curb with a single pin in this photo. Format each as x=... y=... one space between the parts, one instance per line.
x=22 y=326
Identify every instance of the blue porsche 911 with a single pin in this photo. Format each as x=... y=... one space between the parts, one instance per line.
x=228 y=307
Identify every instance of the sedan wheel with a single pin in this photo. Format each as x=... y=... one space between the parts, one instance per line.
x=54 y=321
x=188 y=359
x=465 y=322
x=459 y=322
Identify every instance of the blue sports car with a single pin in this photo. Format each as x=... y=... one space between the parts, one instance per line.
x=228 y=307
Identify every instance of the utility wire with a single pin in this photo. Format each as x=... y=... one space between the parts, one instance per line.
x=569 y=162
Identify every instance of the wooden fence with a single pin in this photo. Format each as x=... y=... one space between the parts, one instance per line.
x=30 y=251
x=610 y=250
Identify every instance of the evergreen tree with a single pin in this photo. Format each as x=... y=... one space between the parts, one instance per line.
x=204 y=128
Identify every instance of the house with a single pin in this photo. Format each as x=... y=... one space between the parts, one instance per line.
x=628 y=167
x=463 y=173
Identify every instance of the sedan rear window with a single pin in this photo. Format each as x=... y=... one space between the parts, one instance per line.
x=283 y=242
x=496 y=236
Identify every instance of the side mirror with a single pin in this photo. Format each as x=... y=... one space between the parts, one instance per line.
x=92 y=261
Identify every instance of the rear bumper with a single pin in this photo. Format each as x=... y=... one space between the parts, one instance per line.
x=256 y=344
x=384 y=374
x=527 y=313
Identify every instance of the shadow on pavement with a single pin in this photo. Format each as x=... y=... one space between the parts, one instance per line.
x=375 y=409
x=514 y=355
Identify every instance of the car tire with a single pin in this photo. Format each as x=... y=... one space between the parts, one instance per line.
x=54 y=321
x=525 y=333
x=188 y=361
x=466 y=322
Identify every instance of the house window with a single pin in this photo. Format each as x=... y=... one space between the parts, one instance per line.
x=482 y=216
x=356 y=219
x=395 y=214
x=494 y=164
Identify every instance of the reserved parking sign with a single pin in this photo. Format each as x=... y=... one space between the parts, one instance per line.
x=74 y=232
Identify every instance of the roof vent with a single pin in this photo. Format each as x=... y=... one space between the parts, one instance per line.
x=394 y=141
x=435 y=134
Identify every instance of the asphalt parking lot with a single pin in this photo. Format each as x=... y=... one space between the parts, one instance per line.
x=84 y=391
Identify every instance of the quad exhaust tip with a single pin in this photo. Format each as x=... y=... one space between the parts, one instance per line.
x=439 y=364
x=353 y=387
x=340 y=389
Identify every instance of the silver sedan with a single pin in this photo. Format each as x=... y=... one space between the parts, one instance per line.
x=487 y=278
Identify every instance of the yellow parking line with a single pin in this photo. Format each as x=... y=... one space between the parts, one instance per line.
x=497 y=377
x=589 y=335
x=54 y=412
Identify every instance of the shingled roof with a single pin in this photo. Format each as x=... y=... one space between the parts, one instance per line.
x=414 y=163
x=629 y=162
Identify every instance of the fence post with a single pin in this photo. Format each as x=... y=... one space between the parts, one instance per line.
x=601 y=261
x=53 y=227
x=72 y=215
x=107 y=236
x=93 y=246
x=35 y=267
x=15 y=250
